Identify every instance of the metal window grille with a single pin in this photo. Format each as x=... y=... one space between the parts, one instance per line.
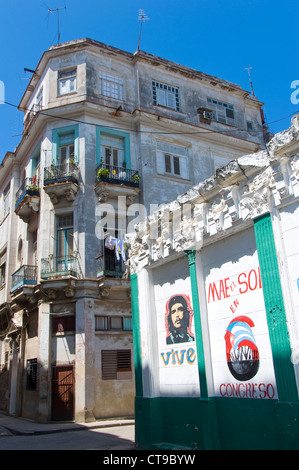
x=31 y=373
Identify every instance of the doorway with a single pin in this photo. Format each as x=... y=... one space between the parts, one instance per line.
x=62 y=393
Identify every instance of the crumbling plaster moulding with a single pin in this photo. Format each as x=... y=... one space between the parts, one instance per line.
x=225 y=203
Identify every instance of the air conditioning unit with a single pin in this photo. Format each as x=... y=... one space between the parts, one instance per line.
x=207 y=115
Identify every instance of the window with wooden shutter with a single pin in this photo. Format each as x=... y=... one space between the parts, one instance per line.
x=116 y=364
x=172 y=160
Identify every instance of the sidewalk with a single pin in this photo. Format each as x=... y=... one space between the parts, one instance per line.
x=10 y=425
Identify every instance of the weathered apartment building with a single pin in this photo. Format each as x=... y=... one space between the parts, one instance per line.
x=104 y=129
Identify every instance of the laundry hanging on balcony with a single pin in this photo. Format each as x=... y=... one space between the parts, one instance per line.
x=118 y=245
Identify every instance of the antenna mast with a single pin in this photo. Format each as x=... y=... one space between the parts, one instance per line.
x=248 y=70
x=141 y=17
x=57 y=11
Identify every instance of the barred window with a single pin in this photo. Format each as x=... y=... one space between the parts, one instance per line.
x=116 y=364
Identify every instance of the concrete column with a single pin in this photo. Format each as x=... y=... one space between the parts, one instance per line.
x=85 y=361
x=44 y=364
x=13 y=378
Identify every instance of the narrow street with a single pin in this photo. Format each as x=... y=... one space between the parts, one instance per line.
x=110 y=438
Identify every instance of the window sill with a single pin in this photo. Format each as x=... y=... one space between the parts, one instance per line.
x=169 y=109
x=67 y=94
x=112 y=332
x=175 y=178
x=224 y=123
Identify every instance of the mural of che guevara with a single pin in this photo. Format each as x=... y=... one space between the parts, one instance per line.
x=178 y=319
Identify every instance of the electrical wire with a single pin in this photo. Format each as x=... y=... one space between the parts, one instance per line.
x=148 y=132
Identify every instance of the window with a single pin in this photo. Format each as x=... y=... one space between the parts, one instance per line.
x=250 y=126
x=105 y=323
x=39 y=100
x=65 y=236
x=6 y=200
x=2 y=267
x=222 y=112
x=66 y=151
x=63 y=324
x=65 y=146
x=112 y=151
x=67 y=82
x=31 y=372
x=172 y=164
x=116 y=364
x=111 y=86
x=172 y=160
x=166 y=95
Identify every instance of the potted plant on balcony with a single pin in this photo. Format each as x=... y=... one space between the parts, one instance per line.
x=103 y=172
x=32 y=188
x=135 y=178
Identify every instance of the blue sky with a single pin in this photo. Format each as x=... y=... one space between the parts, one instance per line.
x=217 y=37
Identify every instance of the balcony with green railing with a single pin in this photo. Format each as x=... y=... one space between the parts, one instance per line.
x=26 y=275
x=27 y=198
x=59 y=267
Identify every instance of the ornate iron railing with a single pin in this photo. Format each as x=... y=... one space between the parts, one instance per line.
x=109 y=266
x=117 y=175
x=63 y=173
x=60 y=266
x=25 y=275
x=29 y=186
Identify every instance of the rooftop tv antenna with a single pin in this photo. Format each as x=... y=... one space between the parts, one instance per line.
x=57 y=10
x=142 y=17
x=248 y=70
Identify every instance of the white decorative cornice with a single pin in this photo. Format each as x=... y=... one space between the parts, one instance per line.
x=240 y=191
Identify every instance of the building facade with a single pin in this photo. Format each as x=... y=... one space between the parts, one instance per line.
x=107 y=136
x=216 y=309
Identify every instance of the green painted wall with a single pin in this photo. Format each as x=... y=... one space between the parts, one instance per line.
x=216 y=424
x=209 y=423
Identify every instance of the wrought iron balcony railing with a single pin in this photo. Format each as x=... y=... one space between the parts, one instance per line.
x=29 y=186
x=25 y=275
x=117 y=175
x=66 y=172
x=60 y=266
x=109 y=266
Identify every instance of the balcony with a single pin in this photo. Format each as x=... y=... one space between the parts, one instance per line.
x=108 y=266
x=25 y=276
x=113 y=181
x=27 y=199
x=111 y=277
x=61 y=181
x=59 y=267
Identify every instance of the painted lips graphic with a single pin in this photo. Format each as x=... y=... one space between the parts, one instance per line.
x=242 y=354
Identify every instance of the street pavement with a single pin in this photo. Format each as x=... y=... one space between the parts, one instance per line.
x=25 y=434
